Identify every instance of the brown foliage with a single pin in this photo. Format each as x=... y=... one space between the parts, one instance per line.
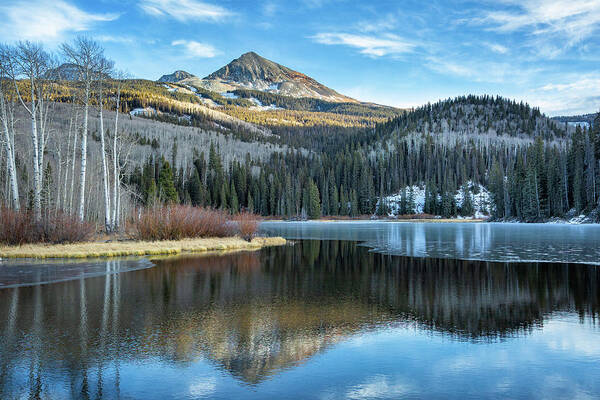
x=174 y=222
x=20 y=227
x=247 y=225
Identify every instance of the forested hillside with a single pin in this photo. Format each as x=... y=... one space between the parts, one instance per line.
x=535 y=168
x=97 y=145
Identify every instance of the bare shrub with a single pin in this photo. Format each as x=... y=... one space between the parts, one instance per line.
x=20 y=227
x=16 y=227
x=174 y=222
x=64 y=228
x=247 y=225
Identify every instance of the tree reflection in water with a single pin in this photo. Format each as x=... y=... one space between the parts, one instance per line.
x=253 y=314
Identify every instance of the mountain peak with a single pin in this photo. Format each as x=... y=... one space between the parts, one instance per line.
x=251 y=71
x=176 y=76
x=250 y=54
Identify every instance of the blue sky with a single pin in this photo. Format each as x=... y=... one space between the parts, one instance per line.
x=400 y=53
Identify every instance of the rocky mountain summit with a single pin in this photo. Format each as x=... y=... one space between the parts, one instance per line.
x=176 y=76
x=251 y=71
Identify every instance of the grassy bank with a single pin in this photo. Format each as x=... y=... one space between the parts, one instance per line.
x=135 y=248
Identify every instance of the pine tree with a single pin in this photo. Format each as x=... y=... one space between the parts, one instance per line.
x=344 y=206
x=325 y=195
x=166 y=186
x=403 y=202
x=410 y=201
x=466 y=208
x=223 y=205
x=234 y=203
x=195 y=189
x=313 y=207
x=497 y=191
x=250 y=206
x=353 y=203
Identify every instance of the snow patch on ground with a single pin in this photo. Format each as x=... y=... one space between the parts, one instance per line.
x=260 y=107
x=266 y=108
x=143 y=111
x=480 y=198
x=229 y=95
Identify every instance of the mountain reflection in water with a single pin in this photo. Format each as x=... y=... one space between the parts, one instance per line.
x=255 y=315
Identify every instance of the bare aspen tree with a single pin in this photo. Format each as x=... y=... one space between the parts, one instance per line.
x=32 y=63
x=7 y=119
x=73 y=158
x=104 y=69
x=85 y=54
x=116 y=175
x=70 y=158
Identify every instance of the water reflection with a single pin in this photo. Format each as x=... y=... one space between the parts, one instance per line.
x=499 y=242
x=255 y=315
x=15 y=273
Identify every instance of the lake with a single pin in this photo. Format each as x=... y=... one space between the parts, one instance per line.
x=353 y=310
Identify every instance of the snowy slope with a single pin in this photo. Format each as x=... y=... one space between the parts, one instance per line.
x=481 y=201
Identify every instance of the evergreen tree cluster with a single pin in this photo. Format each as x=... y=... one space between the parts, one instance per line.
x=347 y=172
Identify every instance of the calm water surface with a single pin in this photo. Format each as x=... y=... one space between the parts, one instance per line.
x=502 y=242
x=322 y=319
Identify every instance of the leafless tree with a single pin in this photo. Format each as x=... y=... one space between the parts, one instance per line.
x=87 y=56
x=31 y=62
x=7 y=106
x=104 y=69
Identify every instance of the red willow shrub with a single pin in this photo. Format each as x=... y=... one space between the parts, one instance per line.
x=64 y=228
x=20 y=227
x=176 y=222
x=247 y=225
x=16 y=227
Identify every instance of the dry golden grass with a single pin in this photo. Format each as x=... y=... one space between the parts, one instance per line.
x=134 y=248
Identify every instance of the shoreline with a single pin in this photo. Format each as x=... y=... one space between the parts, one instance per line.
x=135 y=248
x=391 y=220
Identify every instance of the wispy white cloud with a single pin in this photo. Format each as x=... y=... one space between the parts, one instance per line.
x=496 y=47
x=486 y=71
x=196 y=49
x=114 y=39
x=570 y=94
x=185 y=10
x=121 y=39
x=385 y=23
x=571 y=20
x=46 y=20
x=370 y=45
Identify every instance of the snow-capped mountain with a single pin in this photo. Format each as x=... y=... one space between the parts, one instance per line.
x=251 y=71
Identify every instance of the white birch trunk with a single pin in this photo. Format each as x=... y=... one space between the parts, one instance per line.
x=37 y=183
x=107 y=219
x=73 y=158
x=68 y=163
x=10 y=153
x=83 y=164
x=116 y=177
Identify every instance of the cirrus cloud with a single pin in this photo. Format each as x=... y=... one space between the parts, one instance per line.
x=569 y=20
x=373 y=46
x=196 y=49
x=185 y=10
x=46 y=20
